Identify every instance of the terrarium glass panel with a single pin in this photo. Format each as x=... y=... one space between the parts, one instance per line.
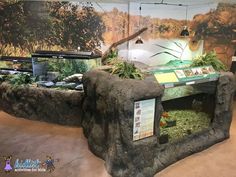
x=187 y=122
x=187 y=90
x=50 y=66
x=186 y=111
x=10 y=64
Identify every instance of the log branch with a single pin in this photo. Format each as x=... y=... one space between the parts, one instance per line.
x=114 y=45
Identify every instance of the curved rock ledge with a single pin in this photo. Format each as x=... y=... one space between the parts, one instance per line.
x=55 y=106
x=108 y=124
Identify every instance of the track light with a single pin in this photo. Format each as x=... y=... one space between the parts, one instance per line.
x=184 y=32
x=139 y=41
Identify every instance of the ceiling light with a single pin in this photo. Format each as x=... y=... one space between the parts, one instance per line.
x=185 y=32
x=139 y=41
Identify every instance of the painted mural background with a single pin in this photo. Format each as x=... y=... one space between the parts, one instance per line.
x=26 y=26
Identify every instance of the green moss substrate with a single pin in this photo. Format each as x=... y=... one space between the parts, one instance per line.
x=187 y=122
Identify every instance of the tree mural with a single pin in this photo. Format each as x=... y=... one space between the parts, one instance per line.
x=218 y=23
x=217 y=28
x=116 y=23
x=29 y=25
x=76 y=25
x=11 y=24
x=21 y=28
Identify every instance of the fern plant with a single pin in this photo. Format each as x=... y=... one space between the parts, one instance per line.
x=112 y=58
x=209 y=59
x=67 y=67
x=21 y=79
x=126 y=70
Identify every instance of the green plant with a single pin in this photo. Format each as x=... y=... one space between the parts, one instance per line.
x=113 y=54
x=209 y=59
x=126 y=70
x=67 y=67
x=112 y=58
x=21 y=79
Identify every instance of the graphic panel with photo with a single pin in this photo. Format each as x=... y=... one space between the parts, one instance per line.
x=210 y=69
x=197 y=71
x=188 y=72
x=180 y=73
x=205 y=70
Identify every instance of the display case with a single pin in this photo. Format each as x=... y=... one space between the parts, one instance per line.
x=57 y=65
x=188 y=101
x=13 y=65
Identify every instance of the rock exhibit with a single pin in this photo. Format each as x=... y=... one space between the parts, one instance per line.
x=106 y=110
x=108 y=124
x=49 y=105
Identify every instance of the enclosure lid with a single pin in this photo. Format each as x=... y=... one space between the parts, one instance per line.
x=65 y=54
x=14 y=71
x=16 y=59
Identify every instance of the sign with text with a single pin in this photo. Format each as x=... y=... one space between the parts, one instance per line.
x=144 y=113
x=186 y=75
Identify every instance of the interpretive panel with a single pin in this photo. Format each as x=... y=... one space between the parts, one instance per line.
x=187 y=76
x=144 y=113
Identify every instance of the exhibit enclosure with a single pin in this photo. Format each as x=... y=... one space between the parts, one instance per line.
x=148 y=82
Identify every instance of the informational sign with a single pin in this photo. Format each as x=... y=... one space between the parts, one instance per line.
x=185 y=75
x=166 y=77
x=144 y=113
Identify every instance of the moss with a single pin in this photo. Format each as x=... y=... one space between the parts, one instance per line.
x=187 y=121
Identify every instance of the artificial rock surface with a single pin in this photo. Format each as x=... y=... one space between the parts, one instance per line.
x=106 y=113
x=108 y=124
x=49 y=105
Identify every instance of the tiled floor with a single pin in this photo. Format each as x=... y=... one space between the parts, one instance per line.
x=31 y=139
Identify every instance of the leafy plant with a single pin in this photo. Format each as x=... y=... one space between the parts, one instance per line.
x=126 y=70
x=67 y=68
x=209 y=59
x=21 y=79
x=113 y=54
x=112 y=58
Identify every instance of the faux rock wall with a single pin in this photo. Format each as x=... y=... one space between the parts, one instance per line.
x=55 y=106
x=108 y=124
x=106 y=111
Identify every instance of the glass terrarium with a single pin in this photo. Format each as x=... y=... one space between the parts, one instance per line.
x=13 y=65
x=58 y=68
x=63 y=64
x=188 y=101
x=187 y=110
